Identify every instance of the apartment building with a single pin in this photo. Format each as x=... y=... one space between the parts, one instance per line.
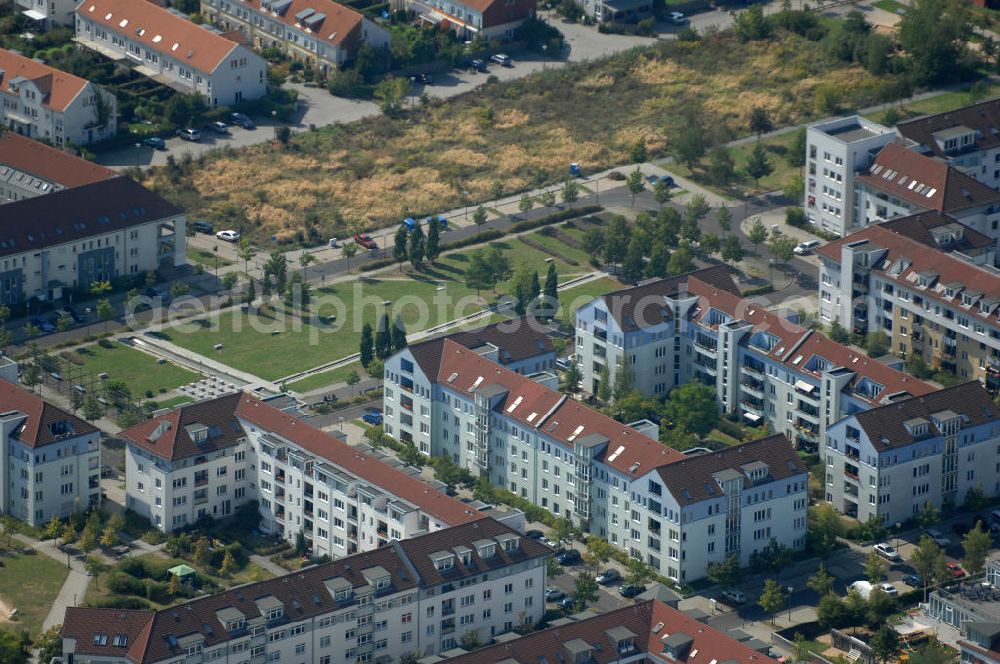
x=321 y=33
x=646 y=632
x=208 y=458
x=53 y=459
x=901 y=182
x=167 y=47
x=491 y=19
x=967 y=138
x=763 y=367
x=837 y=151
x=917 y=279
x=981 y=644
x=95 y=232
x=45 y=103
x=889 y=462
x=407 y=597
x=47 y=13
x=972 y=607
x=683 y=516
x=30 y=168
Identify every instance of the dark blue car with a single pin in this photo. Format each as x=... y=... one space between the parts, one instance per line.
x=373 y=419
x=43 y=325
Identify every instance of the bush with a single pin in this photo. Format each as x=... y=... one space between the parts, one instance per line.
x=121 y=603
x=795 y=216
x=106 y=343
x=555 y=217
x=759 y=290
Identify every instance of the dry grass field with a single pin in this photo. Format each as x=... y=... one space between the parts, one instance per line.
x=521 y=134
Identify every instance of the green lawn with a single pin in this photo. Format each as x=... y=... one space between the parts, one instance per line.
x=206 y=258
x=891 y=6
x=140 y=371
x=325 y=378
x=30 y=583
x=173 y=402
x=722 y=437
x=776 y=148
x=941 y=103
x=573 y=298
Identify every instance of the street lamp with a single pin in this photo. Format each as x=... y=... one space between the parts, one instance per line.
x=899 y=527
x=545 y=47
x=274 y=122
x=138 y=146
x=790 y=590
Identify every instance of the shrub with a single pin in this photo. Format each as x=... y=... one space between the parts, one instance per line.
x=106 y=343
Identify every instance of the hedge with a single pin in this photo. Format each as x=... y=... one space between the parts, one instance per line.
x=555 y=217
x=759 y=290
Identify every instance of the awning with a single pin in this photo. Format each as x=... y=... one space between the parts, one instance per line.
x=34 y=14
x=751 y=417
x=181 y=571
x=804 y=386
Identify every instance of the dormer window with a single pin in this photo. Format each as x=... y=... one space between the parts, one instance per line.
x=275 y=614
x=342 y=595
x=235 y=625
x=488 y=551
x=443 y=561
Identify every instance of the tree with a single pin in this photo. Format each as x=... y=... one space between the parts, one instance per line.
x=932 y=652
x=105 y=311
x=782 y=246
x=599 y=551
x=975 y=499
x=874 y=568
x=593 y=243
x=634 y=183
x=547 y=199
x=383 y=338
x=710 y=244
x=604 y=384
x=658 y=264
x=109 y=537
x=499 y=265
x=976 y=544
x=526 y=203
x=884 y=643
x=930 y=514
x=681 y=262
x=633 y=264
x=228 y=567
x=470 y=640
x=796 y=155
x=284 y=134
x=398 y=335
x=692 y=407
x=751 y=25
x=877 y=345
x=638 y=153
x=825 y=526
x=174 y=585
x=688 y=144
x=479 y=216
x=376 y=369
x=616 y=238
x=92 y=408
x=349 y=250
x=721 y=165
x=477 y=274
x=203 y=552
x=724 y=218
x=552 y=568
x=636 y=572
x=800 y=650
x=522 y=290
x=757 y=233
x=246 y=252
x=417 y=246
x=550 y=293
x=758 y=165
x=399 y=243
x=727 y=573
x=88 y=539
x=53 y=528
x=68 y=534
x=839 y=333
x=759 y=121
x=11 y=649
x=880 y=606
x=367 y=349
x=821 y=582
x=391 y=92
x=570 y=191
x=933 y=34
x=572 y=378
x=50 y=643
x=353 y=379
x=928 y=559
x=585 y=590
x=433 y=244
x=772 y=598
x=662 y=192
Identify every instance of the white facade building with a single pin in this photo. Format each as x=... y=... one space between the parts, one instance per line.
x=52 y=463
x=45 y=103
x=168 y=48
x=835 y=152
x=415 y=596
x=49 y=12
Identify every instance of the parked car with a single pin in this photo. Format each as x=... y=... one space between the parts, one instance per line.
x=887 y=551
x=888 y=588
x=609 y=577
x=410 y=224
x=373 y=419
x=189 y=134
x=806 y=247
x=228 y=236
x=629 y=591
x=220 y=128
x=441 y=222
x=913 y=580
x=241 y=120
x=938 y=538
x=566 y=603
x=503 y=60
x=562 y=364
x=203 y=227
x=334 y=243
x=568 y=557
x=734 y=596
x=478 y=65
x=678 y=18
x=72 y=313
x=616 y=176
x=154 y=142
x=955 y=570
x=43 y=325
x=549 y=542
x=652 y=179
x=534 y=534
x=365 y=241
x=423 y=79
x=554 y=594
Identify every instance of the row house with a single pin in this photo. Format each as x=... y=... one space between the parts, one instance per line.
x=47 y=13
x=522 y=434
x=52 y=466
x=649 y=631
x=168 y=48
x=764 y=368
x=31 y=168
x=418 y=596
x=468 y=19
x=95 y=232
x=208 y=458
x=321 y=33
x=887 y=463
x=47 y=104
x=929 y=284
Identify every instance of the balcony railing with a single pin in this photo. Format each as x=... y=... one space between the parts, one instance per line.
x=753 y=370
x=710 y=345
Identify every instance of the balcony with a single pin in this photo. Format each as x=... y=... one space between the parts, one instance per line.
x=706 y=363
x=201 y=480
x=755 y=387
x=706 y=343
x=279 y=477
x=850 y=489
x=753 y=406
x=852 y=453
x=753 y=369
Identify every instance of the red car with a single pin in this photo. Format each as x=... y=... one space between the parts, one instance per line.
x=955 y=569
x=365 y=241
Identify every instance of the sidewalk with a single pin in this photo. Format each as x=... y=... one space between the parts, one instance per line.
x=271 y=567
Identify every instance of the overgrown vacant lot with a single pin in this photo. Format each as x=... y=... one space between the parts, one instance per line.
x=519 y=134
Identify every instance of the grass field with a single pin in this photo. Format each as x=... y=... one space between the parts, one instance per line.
x=520 y=133
x=30 y=584
x=173 y=402
x=139 y=370
x=776 y=148
x=207 y=258
x=319 y=380
x=946 y=101
x=891 y=6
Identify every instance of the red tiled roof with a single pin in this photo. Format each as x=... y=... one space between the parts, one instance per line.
x=983 y=117
x=396 y=482
x=42 y=161
x=87 y=624
x=948 y=269
x=40 y=416
x=925 y=182
x=166 y=436
x=338 y=25
x=539 y=407
x=161 y=30
x=59 y=87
